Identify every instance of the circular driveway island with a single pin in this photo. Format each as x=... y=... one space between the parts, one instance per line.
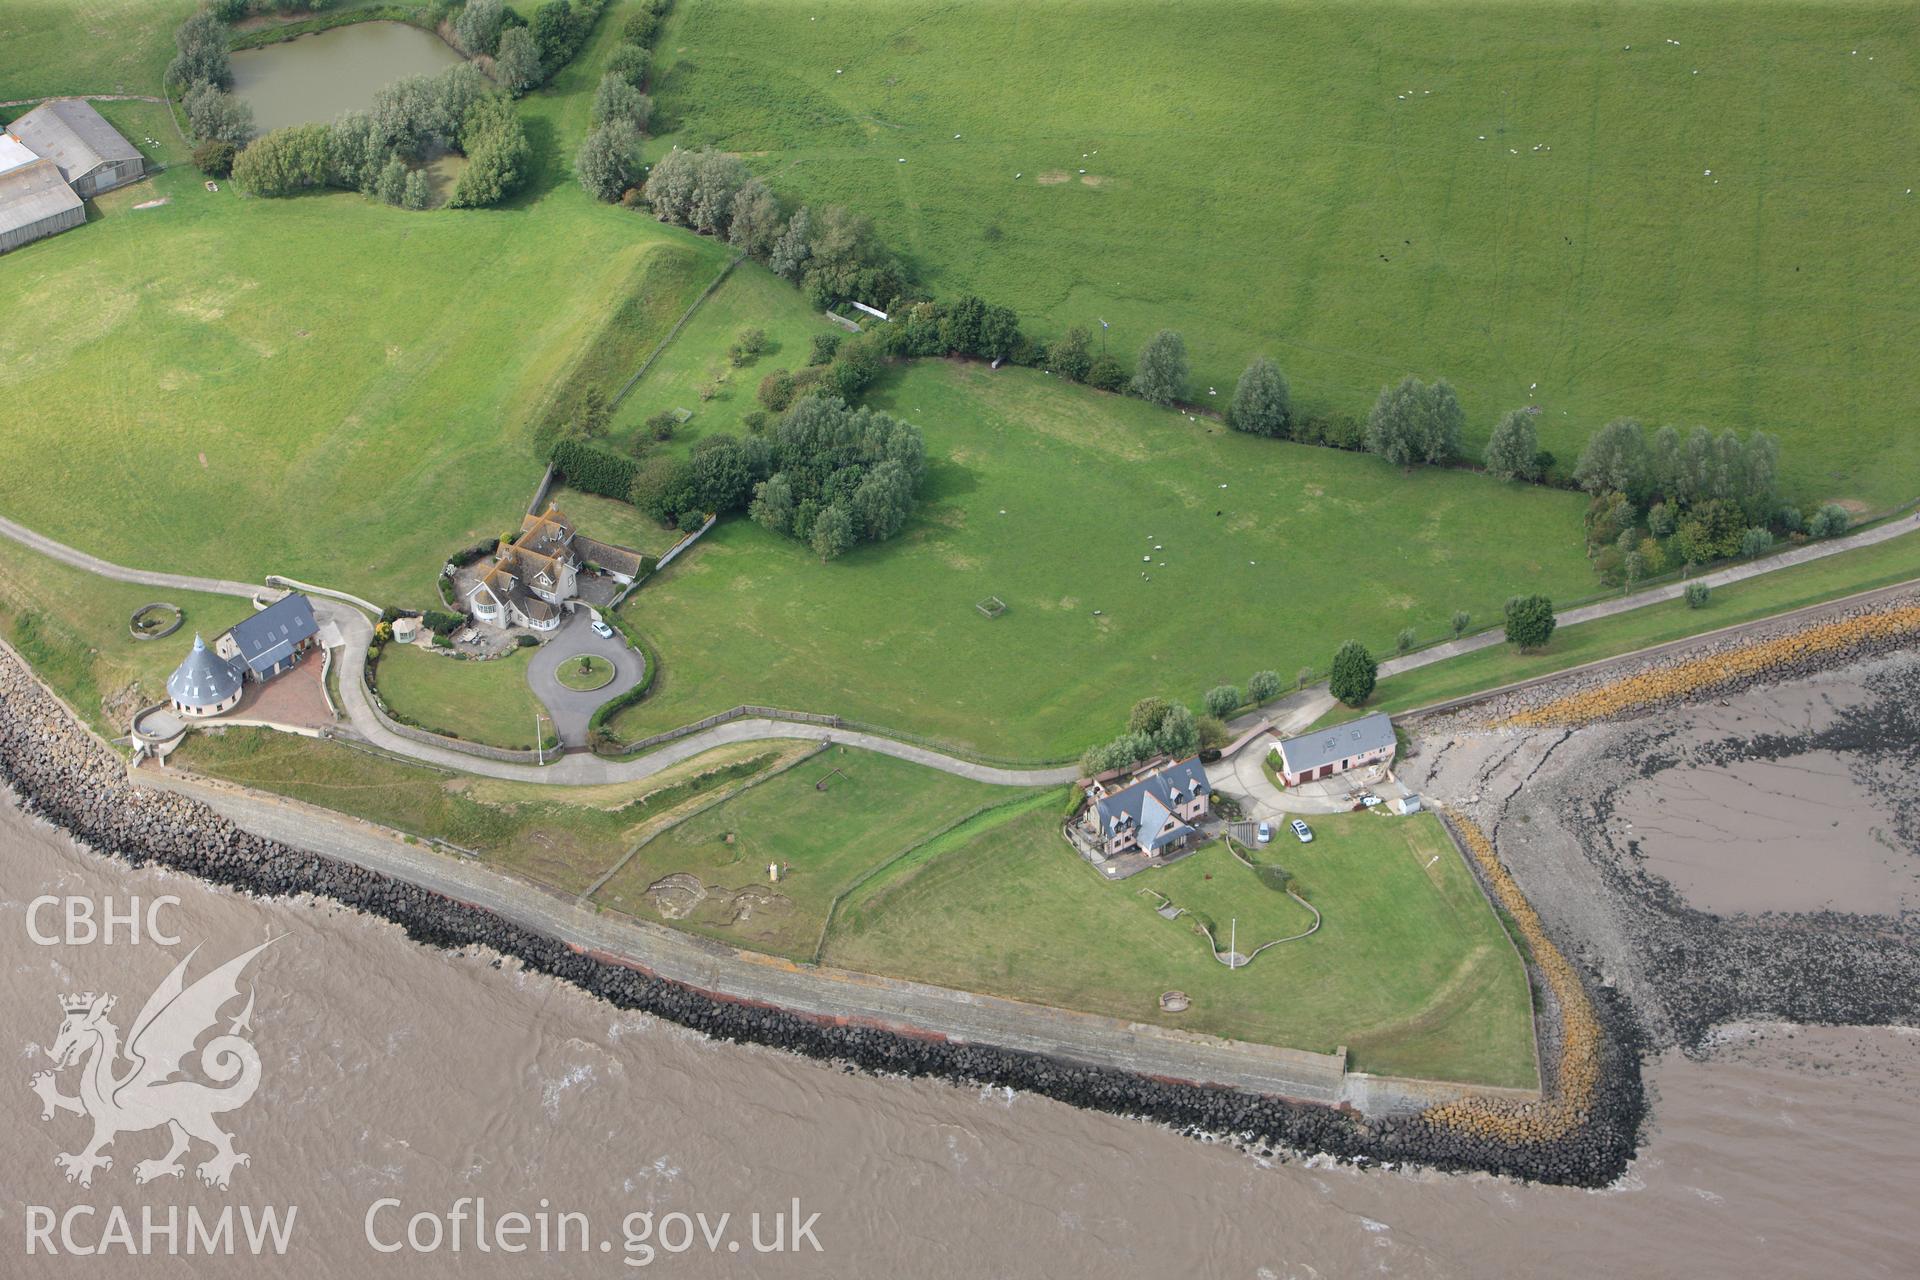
x=570 y=709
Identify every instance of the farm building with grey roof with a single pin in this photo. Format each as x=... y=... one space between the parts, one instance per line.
x=91 y=154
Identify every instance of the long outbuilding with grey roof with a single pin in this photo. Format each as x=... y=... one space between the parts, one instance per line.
x=35 y=202
x=90 y=153
x=1325 y=752
x=273 y=639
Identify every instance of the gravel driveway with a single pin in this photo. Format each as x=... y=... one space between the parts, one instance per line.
x=571 y=710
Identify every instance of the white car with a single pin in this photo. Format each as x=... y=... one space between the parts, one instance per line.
x=1370 y=800
x=1302 y=830
x=602 y=630
x=1264 y=834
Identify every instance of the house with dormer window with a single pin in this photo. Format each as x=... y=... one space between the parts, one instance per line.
x=533 y=576
x=1156 y=813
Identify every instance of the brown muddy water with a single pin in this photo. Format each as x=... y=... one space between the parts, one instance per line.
x=312 y=79
x=391 y=1072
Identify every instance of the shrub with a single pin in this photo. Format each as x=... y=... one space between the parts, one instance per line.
x=661 y=425
x=1460 y=622
x=1530 y=621
x=1222 y=700
x=1829 y=521
x=1262 y=402
x=1405 y=640
x=441 y=623
x=1106 y=374
x=1354 y=674
x=1513 y=450
x=1071 y=354
x=1213 y=732
x=1263 y=686
x=1162 y=373
x=608 y=160
x=1754 y=542
x=214 y=157
x=1697 y=595
x=1302 y=677
x=594 y=469
x=776 y=391
x=526 y=641
x=824 y=347
x=630 y=62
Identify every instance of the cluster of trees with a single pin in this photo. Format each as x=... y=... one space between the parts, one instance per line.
x=201 y=72
x=839 y=475
x=1661 y=499
x=1155 y=727
x=377 y=151
x=608 y=164
x=1413 y=423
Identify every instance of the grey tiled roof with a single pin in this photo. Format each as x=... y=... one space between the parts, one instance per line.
x=74 y=136
x=1326 y=746
x=1172 y=786
x=203 y=678
x=33 y=192
x=271 y=634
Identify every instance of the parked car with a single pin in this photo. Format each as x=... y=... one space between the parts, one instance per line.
x=1302 y=830
x=602 y=630
x=1265 y=833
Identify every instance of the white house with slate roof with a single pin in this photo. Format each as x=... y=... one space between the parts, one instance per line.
x=1153 y=814
x=210 y=680
x=1325 y=752
x=206 y=684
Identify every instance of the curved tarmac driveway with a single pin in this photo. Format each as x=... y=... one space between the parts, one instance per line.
x=570 y=708
x=581 y=769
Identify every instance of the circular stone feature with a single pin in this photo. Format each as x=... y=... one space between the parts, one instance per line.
x=1174 y=1001
x=153 y=621
x=585 y=674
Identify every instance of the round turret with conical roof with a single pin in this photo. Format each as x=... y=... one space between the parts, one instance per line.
x=204 y=684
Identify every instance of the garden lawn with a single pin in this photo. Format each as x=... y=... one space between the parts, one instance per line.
x=559 y=837
x=1411 y=970
x=607 y=520
x=696 y=374
x=323 y=387
x=874 y=808
x=1781 y=591
x=1048 y=496
x=482 y=701
x=1516 y=197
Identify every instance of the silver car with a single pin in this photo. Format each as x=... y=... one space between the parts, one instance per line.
x=1302 y=830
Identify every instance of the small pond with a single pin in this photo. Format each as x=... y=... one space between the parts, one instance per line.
x=314 y=78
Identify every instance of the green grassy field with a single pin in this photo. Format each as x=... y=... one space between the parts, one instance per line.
x=488 y=702
x=1410 y=969
x=1504 y=195
x=562 y=839
x=825 y=840
x=56 y=47
x=1048 y=496
x=1777 y=592
x=322 y=386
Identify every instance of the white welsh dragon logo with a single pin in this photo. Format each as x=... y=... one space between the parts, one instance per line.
x=146 y=1093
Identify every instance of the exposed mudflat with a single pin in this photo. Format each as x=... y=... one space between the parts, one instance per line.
x=1752 y=857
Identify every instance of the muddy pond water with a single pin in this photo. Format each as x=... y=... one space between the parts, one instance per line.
x=314 y=78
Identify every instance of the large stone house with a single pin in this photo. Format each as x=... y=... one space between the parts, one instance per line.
x=1153 y=814
x=210 y=679
x=532 y=578
x=1325 y=752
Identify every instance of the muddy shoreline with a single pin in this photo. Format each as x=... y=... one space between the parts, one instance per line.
x=1583 y=817
x=59 y=773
